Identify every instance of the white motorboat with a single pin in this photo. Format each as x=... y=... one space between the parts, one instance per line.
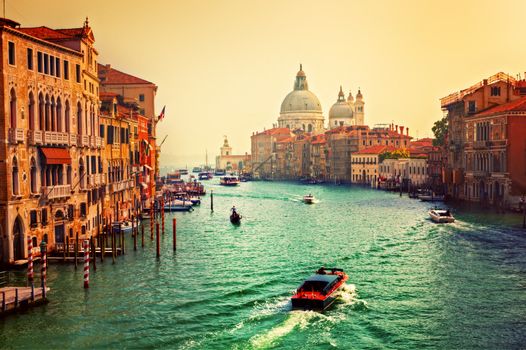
x=178 y=205
x=441 y=216
x=229 y=181
x=308 y=199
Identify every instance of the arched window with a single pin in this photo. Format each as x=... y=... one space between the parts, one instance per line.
x=41 y=112
x=59 y=114
x=47 y=123
x=53 y=114
x=16 y=189
x=79 y=118
x=31 y=111
x=12 y=108
x=82 y=174
x=67 y=117
x=33 y=176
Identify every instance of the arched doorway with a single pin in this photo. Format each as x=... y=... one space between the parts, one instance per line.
x=482 y=190
x=59 y=227
x=18 y=239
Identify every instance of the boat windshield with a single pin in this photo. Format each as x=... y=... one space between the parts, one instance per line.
x=319 y=283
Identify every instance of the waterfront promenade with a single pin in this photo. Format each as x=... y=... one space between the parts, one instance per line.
x=413 y=284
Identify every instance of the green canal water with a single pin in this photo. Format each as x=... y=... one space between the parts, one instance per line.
x=413 y=284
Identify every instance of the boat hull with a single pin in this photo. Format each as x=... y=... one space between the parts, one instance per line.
x=310 y=304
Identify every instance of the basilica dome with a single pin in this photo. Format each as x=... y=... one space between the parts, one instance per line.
x=341 y=112
x=301 y=109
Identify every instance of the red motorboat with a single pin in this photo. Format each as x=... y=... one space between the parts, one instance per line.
x=316 y=293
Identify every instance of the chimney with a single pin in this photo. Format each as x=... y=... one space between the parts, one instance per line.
x=401 y=130
x=108 y=66
x=396 y=128
x=407 y=131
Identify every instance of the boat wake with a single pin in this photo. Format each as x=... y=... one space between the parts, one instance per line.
x=300 y=320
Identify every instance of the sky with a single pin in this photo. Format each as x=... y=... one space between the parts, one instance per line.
x=224 y=67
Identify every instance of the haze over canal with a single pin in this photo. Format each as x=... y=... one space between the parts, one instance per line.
x=413 y=284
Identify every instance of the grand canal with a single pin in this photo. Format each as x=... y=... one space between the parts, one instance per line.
x=413 y=284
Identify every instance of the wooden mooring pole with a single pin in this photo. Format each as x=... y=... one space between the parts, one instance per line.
x=157 y=240
x=212 y=200
x=142 y=235
x=76 y=248
x=174 y=233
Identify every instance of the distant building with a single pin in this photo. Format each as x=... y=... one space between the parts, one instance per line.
x=301 y=109
x=347 y=112
x=230 y=162
x=263 y=151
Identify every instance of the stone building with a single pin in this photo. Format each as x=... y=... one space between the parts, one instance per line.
x=140 y=91
x=263 y=148
x=51 y=158
x=479 y=146
x=229 y=161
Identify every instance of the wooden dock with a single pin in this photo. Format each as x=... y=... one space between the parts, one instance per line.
x=14 y=298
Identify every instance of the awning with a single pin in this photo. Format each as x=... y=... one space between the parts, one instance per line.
x=55 y=155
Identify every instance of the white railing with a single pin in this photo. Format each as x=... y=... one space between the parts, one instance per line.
x=55 y=137
x=58 y=191
x=16 y=135
x=35 y=137
x=83 y=141
x=72 y=139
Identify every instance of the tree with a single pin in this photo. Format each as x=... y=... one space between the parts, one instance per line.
x=440 y=130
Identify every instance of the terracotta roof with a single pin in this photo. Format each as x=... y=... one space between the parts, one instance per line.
x=514 y=106
x=275 y=131
x=109 y=76
x=44 y=33
x=287 y=140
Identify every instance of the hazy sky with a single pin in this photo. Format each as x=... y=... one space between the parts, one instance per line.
x=224 y=67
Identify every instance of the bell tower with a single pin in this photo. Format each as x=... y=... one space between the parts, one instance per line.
x=226 y=150
x=359 y=112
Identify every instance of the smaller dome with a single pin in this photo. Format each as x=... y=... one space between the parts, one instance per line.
x=359 y=95
x=341 y=109
x=350 y=98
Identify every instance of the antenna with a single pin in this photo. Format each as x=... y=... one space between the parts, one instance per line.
x=4 y=7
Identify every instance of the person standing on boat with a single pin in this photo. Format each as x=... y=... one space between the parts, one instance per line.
x=234 y=212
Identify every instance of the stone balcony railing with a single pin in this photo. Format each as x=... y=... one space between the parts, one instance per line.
x=16 y=135
x=72 y=139
x=83 y=141
x=55 y=138
x=35 y=137
x=99 y=142
x=56 y=192
x=93 y=141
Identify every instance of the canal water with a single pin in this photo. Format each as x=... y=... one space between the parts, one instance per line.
x=413 y=284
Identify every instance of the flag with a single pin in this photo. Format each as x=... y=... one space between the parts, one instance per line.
x=161 y=116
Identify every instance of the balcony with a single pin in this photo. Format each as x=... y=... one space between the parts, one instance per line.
x=99 y=142
x=35 y=137
x=93 y=141
x=480 y=144
x=72 y=139
x=16 y=135
x=83 y=141
x=56 y=192
x=55 y=138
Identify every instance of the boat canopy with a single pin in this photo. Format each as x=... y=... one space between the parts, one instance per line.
x=320 y=283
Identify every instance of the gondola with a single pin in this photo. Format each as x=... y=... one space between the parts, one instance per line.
x=235 y=218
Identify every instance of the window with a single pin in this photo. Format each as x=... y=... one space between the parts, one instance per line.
x=30 y=59
x=57 y=67
x=77 y=73
x=46 y=63
x=472 y=107
x=11 y=57
x=101 y=132
x=83 y=210
x=495 y=91
x=52 y=65
x=33 y=218
x=141 y=111
x=66 y=70
x=44 y=216
x=71 y=212
x=39 y=61
x=141 y=97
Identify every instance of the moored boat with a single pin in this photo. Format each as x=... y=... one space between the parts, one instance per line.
x=441 y=216
x=178 y=205
x=431 y=197
x=124 y=226
x=204 y=175
x=317 y=291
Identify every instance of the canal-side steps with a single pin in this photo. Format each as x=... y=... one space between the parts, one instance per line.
x=18 y=298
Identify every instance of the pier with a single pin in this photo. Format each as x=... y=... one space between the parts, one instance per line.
x=15 y=298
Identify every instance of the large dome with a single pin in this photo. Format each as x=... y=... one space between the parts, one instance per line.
x=300 y=101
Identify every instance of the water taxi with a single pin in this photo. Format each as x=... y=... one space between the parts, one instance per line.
x=229 y=181
x=204 y=175
x=197 y=169
x=316 y=292
x=183 y=171
x=441 y=216
x=308 y=199
x=178 y=205
x=431 y=197
x=220 y=172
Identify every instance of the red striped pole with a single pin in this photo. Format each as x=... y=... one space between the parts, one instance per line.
x=43 y=252
x=30 y=260
x=86 y=263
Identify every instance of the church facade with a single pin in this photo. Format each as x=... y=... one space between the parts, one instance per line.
x=231 y=162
